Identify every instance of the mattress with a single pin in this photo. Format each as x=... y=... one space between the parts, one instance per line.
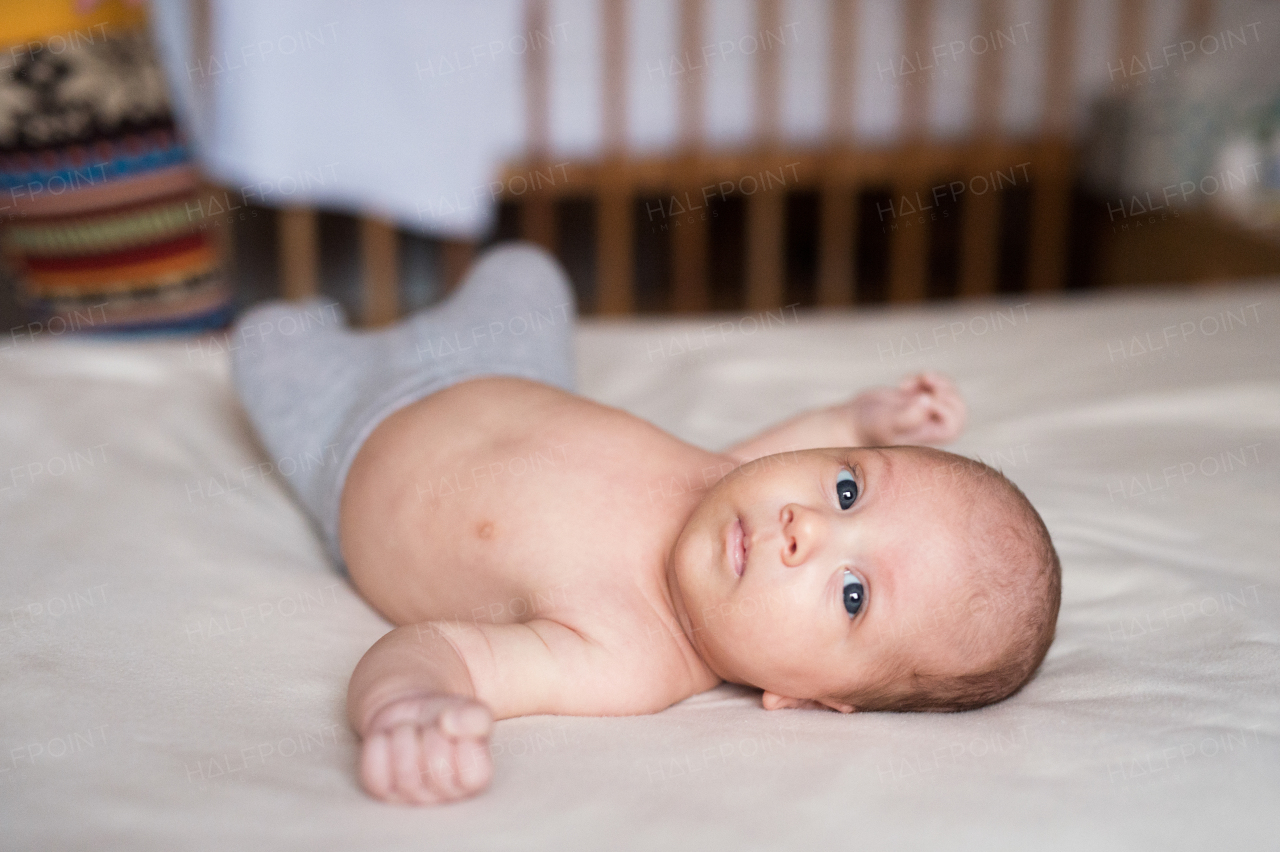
x=174 y=647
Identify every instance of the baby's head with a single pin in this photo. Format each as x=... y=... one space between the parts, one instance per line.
x=894 y=578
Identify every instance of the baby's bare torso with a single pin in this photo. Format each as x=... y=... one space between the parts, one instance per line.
x=505 y=500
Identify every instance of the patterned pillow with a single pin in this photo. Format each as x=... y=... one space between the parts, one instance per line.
x=102 y=222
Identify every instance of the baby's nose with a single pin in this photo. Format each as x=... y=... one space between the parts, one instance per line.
x=802 y=531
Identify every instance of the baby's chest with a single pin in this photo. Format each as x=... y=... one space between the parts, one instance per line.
x=523 y=548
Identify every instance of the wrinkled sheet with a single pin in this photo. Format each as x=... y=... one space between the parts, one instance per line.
x=174 y=648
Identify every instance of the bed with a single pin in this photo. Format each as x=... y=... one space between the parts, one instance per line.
x=176 y=648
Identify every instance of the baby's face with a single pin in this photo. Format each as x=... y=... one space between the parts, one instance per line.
x=818 y=573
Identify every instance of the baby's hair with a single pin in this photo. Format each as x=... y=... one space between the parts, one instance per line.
x=1021 y=593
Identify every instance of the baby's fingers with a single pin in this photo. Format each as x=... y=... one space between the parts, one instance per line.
x=407 y=770
x=470 y=720
x=375 y=766
x=475 y=765
x=440 y=766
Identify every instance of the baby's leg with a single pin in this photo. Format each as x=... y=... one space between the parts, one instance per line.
x=922 y=409
x=314 y=389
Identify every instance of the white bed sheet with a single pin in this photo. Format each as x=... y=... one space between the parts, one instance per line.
x=174 y=649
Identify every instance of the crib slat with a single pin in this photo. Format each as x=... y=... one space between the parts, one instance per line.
x=837 y=214
x=980 y=213
x=537 y=212
x=615 y=264
x=536 y=85
x=614 y=74
x=1197 y=18
x=689 y=249
x=689 y=252
x=766 y=210
x=979 y=242
x=988 y=88
x=1050 y=212
x=1060 y=78
x=841 y=72
x=768 y=74
x=838 y=231
x=765 y=235
x=201 y=43
x=379 y=261
x=692 y=82
x=1130 y=31
x=1051 y=191
x=297 y=243
x=908 y=242
x=918 y=28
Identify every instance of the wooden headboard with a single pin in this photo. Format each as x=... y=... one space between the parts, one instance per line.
x=906 y=186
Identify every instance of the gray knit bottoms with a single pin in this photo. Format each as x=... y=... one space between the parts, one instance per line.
x=314 y=389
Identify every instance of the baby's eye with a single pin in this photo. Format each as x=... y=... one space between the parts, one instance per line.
x=846 y=489
x=855 y=594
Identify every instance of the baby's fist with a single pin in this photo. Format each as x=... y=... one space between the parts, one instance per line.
x=427 y=750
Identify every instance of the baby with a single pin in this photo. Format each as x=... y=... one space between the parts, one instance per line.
x=615 y=569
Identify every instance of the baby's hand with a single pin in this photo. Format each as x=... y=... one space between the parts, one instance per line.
x=427 y=750
x=923 y=409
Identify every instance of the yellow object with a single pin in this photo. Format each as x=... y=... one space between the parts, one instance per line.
x=47 y=21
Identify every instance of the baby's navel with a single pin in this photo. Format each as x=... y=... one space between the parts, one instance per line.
x=485 y=530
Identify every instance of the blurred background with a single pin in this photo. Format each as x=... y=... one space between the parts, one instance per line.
x=164 y=165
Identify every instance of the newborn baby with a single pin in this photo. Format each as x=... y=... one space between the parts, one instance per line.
x=622 y=569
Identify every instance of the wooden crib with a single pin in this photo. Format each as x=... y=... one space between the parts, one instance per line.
x=969 y=182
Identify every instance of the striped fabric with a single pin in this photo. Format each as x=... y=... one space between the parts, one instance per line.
x=100 y=218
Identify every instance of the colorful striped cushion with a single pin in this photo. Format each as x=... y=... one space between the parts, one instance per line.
x=103 y=226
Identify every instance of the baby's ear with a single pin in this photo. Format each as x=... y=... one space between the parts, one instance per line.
x=773 y=701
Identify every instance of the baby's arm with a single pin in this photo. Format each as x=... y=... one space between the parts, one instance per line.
x=923 y=409
x=412 y=700
x=424 y=697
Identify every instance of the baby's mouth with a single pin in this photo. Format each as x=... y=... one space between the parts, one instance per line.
x=738 y=547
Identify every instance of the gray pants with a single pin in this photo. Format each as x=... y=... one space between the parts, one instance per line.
x=315 y=389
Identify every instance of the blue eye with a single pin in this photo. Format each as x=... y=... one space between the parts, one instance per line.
x=855 y=594
x=846 y=489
